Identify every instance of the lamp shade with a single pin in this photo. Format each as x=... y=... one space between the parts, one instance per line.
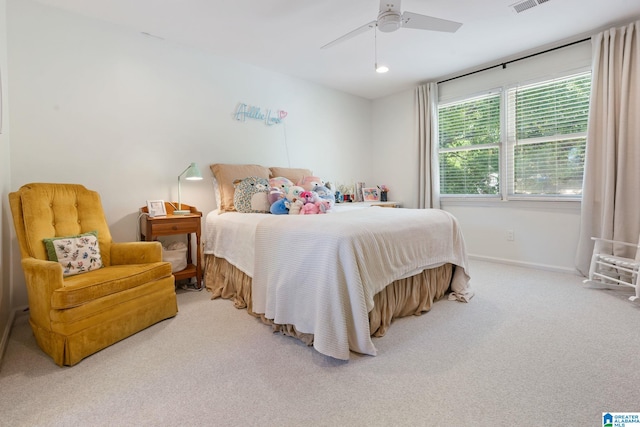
x=193 y=172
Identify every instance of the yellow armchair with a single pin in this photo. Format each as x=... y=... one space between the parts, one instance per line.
x=74 y=316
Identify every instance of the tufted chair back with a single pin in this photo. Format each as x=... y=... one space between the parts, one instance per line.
x=54 y=210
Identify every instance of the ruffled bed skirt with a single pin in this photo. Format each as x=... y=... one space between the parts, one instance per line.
x=411 y=296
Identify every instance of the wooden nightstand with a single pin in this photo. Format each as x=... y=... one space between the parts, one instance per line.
x=152 y=228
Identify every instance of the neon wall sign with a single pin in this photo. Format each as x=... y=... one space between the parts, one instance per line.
x=251 y=112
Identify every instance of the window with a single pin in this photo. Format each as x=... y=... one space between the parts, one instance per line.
x=469 y=138
x=541 y=153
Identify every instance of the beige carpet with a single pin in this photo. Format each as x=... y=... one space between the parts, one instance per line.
x=532 y=348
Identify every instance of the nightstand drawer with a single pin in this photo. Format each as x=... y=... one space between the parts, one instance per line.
x=178 y=227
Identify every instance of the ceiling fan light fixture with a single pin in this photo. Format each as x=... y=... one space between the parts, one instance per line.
x=389 y=21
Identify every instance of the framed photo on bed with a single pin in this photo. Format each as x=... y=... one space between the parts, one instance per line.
x=156 y=208
x=370 y=194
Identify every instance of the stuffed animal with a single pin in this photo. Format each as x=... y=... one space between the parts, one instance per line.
x=309 y=209
x=251 y=195
x=294 y=192
x=275 y=194
x=323 y=205
x=326 y=193
x=280 y=207
x=308 y=182
x=295 y=206
x=307 y=197
x=281 y=182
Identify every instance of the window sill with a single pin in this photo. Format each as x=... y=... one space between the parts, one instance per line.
x=550 y=205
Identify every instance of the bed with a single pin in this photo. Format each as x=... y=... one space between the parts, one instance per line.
x=334 y=280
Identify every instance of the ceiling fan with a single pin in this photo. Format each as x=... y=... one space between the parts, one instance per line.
x=391 y=19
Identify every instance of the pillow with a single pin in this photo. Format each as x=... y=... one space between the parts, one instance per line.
x=216 y=192
x=226 y=174
x=77 y=254
x=293 y=174
x=308 y=182
x=251 y=195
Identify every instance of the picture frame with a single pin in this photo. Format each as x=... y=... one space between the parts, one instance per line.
x=370 y=194
x=156 y=208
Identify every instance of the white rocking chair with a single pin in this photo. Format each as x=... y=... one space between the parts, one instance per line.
x=608 y=271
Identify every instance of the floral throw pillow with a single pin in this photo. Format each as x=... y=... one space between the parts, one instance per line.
x=76 y=254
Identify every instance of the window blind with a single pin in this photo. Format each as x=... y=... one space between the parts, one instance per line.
x=549 y=136
x=469 y=138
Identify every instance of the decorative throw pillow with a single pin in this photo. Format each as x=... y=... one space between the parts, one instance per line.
x=251 y=195
x=77 y=254
x=226 y=174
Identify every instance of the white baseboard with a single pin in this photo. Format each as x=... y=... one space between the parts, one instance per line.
x=524 y=264
x=7 y=331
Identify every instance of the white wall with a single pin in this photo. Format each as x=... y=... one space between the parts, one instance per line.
x=124 y=114
x=545 y=234
x=5 y=213
x=395 y=146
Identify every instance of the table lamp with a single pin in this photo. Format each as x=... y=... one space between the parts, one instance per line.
x=192 y=173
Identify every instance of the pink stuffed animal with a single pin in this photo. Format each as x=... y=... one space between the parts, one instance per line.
x=323 y=206
x=309 y=209
x=307 y=197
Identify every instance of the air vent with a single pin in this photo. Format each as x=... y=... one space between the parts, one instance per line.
x=526 y=5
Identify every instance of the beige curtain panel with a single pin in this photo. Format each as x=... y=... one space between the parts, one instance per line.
x=611 y=191
x=427 y=126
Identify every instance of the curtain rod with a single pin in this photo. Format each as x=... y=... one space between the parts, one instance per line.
x=504 y=64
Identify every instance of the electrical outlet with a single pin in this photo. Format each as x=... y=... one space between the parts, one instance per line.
x=510 y=235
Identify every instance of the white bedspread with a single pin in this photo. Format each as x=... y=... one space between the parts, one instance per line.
x=231 y=236
x=320 y=272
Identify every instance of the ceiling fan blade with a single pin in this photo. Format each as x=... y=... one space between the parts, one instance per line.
x=357 y=31
x=424 y=22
